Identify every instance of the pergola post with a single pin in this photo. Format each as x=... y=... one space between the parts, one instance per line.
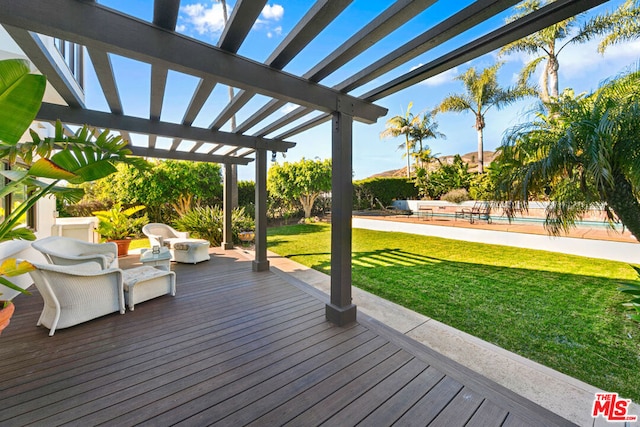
x=227 y=208
x=341 y=310
x=260 y=263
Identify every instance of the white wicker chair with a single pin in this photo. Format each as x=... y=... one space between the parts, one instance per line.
x=182 y=248
x=163 y=234
x=66 y=251
x=75 y=294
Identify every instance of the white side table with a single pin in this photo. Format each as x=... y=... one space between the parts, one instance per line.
x=161 y=261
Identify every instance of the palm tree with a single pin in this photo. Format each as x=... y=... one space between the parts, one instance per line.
x=621 y=25
x=481 y=93
x=547 y=44
x=402 y=125
x=424 y=128
x=581 y=152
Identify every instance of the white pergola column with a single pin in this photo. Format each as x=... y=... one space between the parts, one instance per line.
x=227 y=208
x=260 y=263
x=341 y=310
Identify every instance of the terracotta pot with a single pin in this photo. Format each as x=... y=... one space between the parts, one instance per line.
x=246 y=236
x=123 y=246
x=5 y=314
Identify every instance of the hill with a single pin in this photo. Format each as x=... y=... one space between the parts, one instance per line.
x=470 y=158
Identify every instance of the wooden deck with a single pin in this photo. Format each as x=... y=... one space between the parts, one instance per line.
x=238 y=348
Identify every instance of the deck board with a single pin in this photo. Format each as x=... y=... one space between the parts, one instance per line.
x=236 y=347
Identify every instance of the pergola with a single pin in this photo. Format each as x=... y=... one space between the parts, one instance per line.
x=103 y=31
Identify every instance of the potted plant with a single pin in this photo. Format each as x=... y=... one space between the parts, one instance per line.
x=119 y=225
x=10 y=268
x=45 y=163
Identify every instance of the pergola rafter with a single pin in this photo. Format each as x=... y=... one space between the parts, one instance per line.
x=548 y=15
x=78 y=116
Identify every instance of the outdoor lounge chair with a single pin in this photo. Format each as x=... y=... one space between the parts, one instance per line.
x=65 y=251
x=182 y=248
x=78 y=293
x=480 y=210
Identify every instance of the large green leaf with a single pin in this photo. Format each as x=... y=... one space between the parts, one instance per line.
x=45 y=168
x=20 y=98
x=11 y=268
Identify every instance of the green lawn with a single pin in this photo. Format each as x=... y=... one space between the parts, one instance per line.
x=139 y=243
x=560 y=310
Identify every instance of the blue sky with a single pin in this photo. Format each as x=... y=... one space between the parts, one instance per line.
x=581 y=68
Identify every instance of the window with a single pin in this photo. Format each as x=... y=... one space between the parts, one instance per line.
x=73 y=55
x=12 y=200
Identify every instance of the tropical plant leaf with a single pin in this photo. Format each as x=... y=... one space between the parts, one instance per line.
x=10 y=285
x=46 y=168
x=19 y=233
x=20 y=98
x=11 y=268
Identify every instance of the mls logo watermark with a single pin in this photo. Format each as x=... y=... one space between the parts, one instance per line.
x=612 y=408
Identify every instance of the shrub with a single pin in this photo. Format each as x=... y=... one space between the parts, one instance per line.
x=207 y=223
x=458 y=195
x=386 y=190
x=247 y=196
x=448 y=177
x=83 y=208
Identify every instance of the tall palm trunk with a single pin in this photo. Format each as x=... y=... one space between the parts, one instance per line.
x=554 y=87
x=480 y=128
x=623 y=202
x=480 y=151
x=408 y=158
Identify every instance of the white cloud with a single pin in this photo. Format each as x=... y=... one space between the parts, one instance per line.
x=578 y=61
x=203 y=19
x=274 y=12
x=439 y=79
x=275 y=32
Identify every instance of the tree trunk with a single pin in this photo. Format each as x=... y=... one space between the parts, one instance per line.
x=408 y=159
x=479 y=128
x=307 y=201
x=480 y=152
x=554 y=65
x=623 y=202
x=544 y=87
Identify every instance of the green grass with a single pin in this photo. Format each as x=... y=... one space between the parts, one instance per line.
x=139 y=243
x=560 y=310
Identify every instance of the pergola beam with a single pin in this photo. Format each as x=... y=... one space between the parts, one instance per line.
x=240 y=22
x=165 y=13
x=32 y=46
x=458 y=23
x=183 y=155
x=104 y=71
x=393 y=17
x=52 y=112
x=451 y=27
x=321 y=14
x=549 y=15
x=75 y=21
x=390 y=19
x=542 y=18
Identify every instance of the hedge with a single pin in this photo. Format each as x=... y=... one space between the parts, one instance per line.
x=386 y=190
